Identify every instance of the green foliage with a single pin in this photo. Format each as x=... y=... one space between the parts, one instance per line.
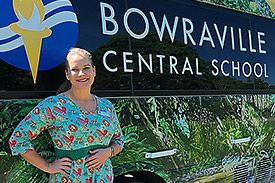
x=200 y=128
x=258 y=7
x=11 y=113
x=25 y=172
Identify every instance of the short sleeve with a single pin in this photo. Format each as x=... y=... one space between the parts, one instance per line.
x=118 y=136
x=38 y=119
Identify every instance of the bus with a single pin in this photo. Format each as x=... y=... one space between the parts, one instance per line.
x=191 y=81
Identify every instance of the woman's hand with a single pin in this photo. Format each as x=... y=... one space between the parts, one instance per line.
x=59 y=165
x=98 y=157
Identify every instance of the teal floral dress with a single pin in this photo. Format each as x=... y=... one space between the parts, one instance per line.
x=71 y=128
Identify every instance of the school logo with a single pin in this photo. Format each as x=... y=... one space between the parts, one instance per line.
x=35 y=35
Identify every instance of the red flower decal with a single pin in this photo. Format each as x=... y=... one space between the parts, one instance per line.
x=62 y=100
x=17 y=134
x=64 y=179
x=42 y=129
x=90 y=139
x=105 y=122
x=36 y=111
x=79 y=161
x=58 y=143
x=72 y=128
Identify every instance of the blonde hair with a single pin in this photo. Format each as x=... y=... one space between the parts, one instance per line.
x=81 y=52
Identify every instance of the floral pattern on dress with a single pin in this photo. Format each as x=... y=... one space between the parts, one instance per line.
x=71 y=128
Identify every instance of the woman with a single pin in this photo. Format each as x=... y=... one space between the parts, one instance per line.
x=84 y=128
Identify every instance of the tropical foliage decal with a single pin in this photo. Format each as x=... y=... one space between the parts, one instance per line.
x=259 y=7
x=217 y=138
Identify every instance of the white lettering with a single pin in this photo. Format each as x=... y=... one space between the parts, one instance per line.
x=126 y=25
x=252 y=50
x=127 y=61
x=141 y=59
x=235 y=68
x=188 y=68
x=187 y=33
x=105 y=63
x=214 y=62
x=255 y=70
x=204 y=38
x=260 y=42
x=111 y=19
x=241 y=41
x=222 y=68
x=160 y=62
x=232 y=38
x=249 y=67
x=173 y=64
x=163 y=25
x=197 y=67
x=221 y=40
x=265 y=71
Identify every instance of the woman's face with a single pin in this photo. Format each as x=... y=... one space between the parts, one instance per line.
x=80 y=71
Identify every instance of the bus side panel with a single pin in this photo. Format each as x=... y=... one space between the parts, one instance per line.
x=226 y=138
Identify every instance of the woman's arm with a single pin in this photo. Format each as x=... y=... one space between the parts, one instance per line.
x=116 y=147
x=57 y=166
